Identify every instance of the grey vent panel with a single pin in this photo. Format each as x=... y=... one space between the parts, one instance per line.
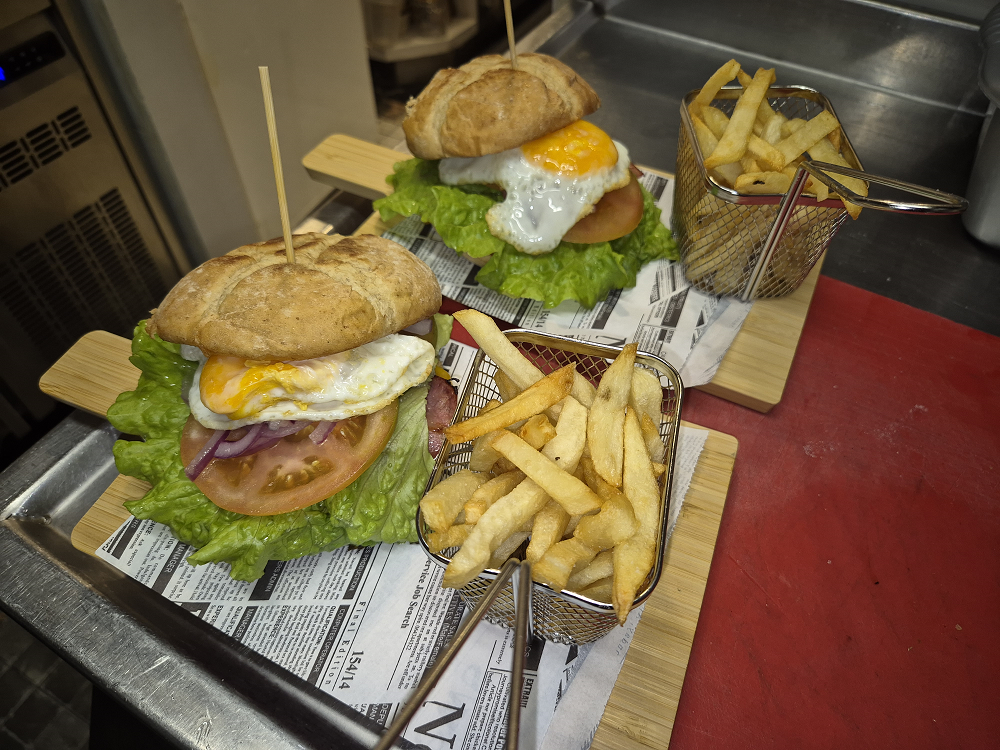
x=41 y=145
x=92 y=271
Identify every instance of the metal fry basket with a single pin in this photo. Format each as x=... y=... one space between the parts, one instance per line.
x=752 y=246
x=560 y=616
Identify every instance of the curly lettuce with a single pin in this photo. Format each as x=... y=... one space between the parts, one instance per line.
x=379 y=506
x=585 y=273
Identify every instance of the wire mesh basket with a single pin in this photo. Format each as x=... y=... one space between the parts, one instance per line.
x=559 y=616
x=753 y=246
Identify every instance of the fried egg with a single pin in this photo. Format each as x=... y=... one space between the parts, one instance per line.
x=551 y=183
x=231 y=392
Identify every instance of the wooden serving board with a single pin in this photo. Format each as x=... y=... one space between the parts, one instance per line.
x=642 y=708
x=754 y=370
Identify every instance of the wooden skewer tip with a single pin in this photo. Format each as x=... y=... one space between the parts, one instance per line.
x=279 y=180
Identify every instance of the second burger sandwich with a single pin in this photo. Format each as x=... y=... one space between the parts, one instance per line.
x=283 y=407
x=509 y=174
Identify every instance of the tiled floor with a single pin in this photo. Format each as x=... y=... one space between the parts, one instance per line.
x=44 y=702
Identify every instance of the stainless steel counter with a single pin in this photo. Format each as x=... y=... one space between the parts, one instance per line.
x=904 y=86
x=196 y=685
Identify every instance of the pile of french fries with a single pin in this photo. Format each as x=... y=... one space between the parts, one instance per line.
x=757 y=151
x=572 y=469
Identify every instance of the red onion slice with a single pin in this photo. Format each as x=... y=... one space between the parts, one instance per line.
x=236 y=448
x=283 y=427
x=420 y=328
x=205 y=455
x=262 y=443
x=321 y=432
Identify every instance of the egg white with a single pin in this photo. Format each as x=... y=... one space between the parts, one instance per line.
x=358 y=381
x=540 y=206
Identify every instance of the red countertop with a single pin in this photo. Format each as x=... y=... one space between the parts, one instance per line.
x=854 y=596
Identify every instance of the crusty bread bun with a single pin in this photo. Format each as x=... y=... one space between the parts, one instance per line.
x=485 y=107
x=339 y=293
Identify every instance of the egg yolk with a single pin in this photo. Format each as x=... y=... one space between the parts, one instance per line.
x=577 y=149
x=239 y=388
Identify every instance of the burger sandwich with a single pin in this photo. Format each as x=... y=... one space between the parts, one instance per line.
x=509 y=174
x=288 y=408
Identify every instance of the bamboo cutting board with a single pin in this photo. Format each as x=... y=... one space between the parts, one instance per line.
x=641 y=711
x=754 y=370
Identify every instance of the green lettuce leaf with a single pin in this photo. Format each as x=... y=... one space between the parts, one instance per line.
x=380 y=506
x=585 y=273
x=441 y=330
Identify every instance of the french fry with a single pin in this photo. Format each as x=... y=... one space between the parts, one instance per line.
x=508 y=390
x=507 y=548
x=596 y=482
x=515 y=365
x=491 y=340
x=806 y=136
x=483 y=457
x=600 y=567
x=607 y=416
x=489 y=492
x=748 y=165
x=654 y=443
x=539 y=396
x=716 y=120
x=733 y=143
x=556 y=566
x=570 y=492
x=453 y=536
x=764 y=111
x=716 y=81
x=505 y=517
x=567 y=447
x=646 y=397
x=772 y=129
x=727 y=173
x=602 y=590
x=761 y=183
x=633 y=559
x=766 y=154
x=612 y=525
x=835 y=136
x=550 y=524
x=823 y=150
x=441 y=506
x=537 y=431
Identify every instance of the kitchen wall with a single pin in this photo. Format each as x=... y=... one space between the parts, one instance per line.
x=188 y=72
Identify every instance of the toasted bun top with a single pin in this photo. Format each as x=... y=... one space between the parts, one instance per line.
x=341 y=292
x=485 y=107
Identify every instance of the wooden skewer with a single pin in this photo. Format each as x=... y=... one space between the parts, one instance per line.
x=272 y=133
x=510 y=33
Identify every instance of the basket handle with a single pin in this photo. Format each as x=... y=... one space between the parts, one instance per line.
x=948 y=203
x=519 y=573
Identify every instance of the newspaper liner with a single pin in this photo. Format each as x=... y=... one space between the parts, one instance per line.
x=663 y=312
x=363 y=623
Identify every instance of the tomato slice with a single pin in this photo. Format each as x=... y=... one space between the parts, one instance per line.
x=614 y=216
x=295 y=473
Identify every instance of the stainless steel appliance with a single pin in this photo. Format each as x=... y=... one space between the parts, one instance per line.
x=79 y=248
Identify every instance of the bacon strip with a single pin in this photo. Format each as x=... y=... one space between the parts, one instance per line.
x=442 y=403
